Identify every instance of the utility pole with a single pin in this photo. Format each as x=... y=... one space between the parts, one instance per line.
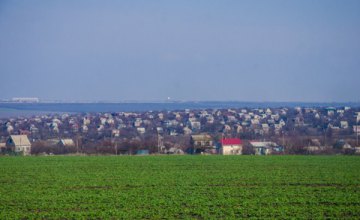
x=113 y=139
x=357 y=133
x=160 y=143
x=283 y=138
x=116 y=148
x=77 y=145
x=357 y=136
x=325 y=130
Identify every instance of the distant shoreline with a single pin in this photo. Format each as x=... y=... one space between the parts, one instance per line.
x=11 y=109
x=286 y=103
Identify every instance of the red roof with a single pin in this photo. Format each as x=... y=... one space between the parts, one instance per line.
x=231 y=141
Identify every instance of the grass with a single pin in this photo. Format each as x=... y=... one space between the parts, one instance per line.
x=199 y=187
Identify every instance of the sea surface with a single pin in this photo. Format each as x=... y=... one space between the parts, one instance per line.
x=29 y=109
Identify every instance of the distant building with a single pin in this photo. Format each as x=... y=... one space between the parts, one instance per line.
x=342 y=144
x=26 y=100
x=314 y=145
x=160 y=130
x=202 y=143
x=174 y=150
x=356 y=129
x=115 y=132
x=67 y=142
x=357 y=150
x=142 y=152
x=141 y=130
x=263 y=147
x=2 y=147
x=187 y=131
x=231 y=146
x=344 y=124
x=19 y=144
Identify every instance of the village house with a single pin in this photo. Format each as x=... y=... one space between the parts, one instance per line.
x=9 y=128
x=2 y=147
x=330 y=111
x=19 y=144
x=110 y=121
x=174 y=150
x=268 y=111
x=34 y=129
x=143 y=152
x=342 y=144
x=195 y=125
x=52 y=142
x=231 y=118
x=357 y=150
x=103 y=121
x=227 y=128
x=161 y=116
x=210 y=119
x=141 y=130
x=344 y=124
x=187 y=131
x=202 y=143
x=239 y=129
x=100 y=128
x=86 y=121
x=356 y=129
x=262 y=147
x=66 y=142
x=85 y=128
x=265 y=128
x=231 y=146
x=160 y=130
x=138 y=122
x=115 y=132
x=173 y=133
x=314 y=145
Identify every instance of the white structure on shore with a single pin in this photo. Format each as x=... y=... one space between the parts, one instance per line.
x=26 y=99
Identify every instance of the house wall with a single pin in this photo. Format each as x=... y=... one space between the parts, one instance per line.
x=312 y=148
x=262 y=151
x=231 y=150
x=202 y=143
x=25 y=149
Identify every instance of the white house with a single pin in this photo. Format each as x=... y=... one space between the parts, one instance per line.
x=141 y=130
x=187 y=131
x=356 y=129
x=344 y=124
x=231 y=146
x=19 y=144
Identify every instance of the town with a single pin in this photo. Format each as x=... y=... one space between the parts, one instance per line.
x=326 y=130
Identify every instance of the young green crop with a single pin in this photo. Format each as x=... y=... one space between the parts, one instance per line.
x=200 y=187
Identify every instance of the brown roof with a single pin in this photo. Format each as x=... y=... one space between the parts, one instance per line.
x=20 y=140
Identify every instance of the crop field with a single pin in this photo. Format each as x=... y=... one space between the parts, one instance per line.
x=195 y=187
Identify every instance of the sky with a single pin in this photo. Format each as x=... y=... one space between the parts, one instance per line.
x=203 y=50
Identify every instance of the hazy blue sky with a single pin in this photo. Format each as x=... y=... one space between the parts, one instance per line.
x=304 y=50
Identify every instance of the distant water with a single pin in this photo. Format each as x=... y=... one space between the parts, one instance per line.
x=8 y=112
x=27 y=109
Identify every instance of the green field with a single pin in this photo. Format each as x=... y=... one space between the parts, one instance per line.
x=199 y=187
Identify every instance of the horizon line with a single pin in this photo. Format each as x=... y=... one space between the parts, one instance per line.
x=166 y=101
